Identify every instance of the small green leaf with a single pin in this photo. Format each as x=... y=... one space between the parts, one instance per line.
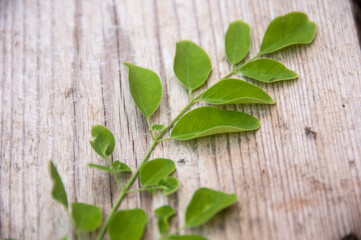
x=99 y=167
x=205 y=204
x=191 y=64
x=205 y=121
x=155 y=170
x=86 y=217
x=168 y=185
x=163 y=214
x=127 y=224
x=103 y=142
x=58 y=191
x=157 y=127
x=267 y=70
x=235 y=91
x=145 y=87
x=65 y=238
x=283 y=31
x=237 y=41
x=186 y=237
x=120 y=167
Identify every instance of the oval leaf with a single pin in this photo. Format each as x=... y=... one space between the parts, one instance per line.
x=145 y=87
x=85 y=216
x=191 y=64
x=157 y=127
x=99 y=167
x=283 y=31
x=235 y=91
x=163 y=214
x=168 y=185
x=237 y=41
x=103 y=142
x=120 y=167
x=206 y=203
x=155 y=170
x=58 y=191
x=267 y=70
x=127 y=224
x=186 y=237
x=204 y=121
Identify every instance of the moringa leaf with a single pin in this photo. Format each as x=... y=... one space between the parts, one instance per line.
x=168 y=185
x=237 y=41
x=163 y=214
x=267 y=70
x=127 y=224
x=86 y=217
x=157 y=127
x=120 y=167
x=145 y=87
x=235 y=91
x=206 y=203
x=204 y=121
x=99 y=167
x=191 y=64
x=103 y=142
x=155 y=170
x=58 y=191
x=283 y=31
x=186 y=237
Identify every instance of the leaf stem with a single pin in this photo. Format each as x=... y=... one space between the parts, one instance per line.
x=77 y=232
x=150 y=129
x=135 y=174
x=165 y=139
x=234 y=69
x=113 y=173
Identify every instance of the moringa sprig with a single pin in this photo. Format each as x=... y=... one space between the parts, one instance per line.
x=192 y=67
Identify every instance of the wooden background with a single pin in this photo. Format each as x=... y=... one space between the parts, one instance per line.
x=61 y=72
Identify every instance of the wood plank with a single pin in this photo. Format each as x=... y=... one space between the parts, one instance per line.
x=61 y=73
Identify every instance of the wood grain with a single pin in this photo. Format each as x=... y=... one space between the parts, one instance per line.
x=297 y=177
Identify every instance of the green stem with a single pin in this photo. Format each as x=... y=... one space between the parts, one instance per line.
x=77 y=232
x=235 y=69
x=135 y=174
x=150 y=129
x=113 y=173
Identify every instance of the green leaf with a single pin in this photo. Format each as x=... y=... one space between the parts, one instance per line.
x=267 y=70
x=65 y=238
x=103 y=142
x=163 y=214
x=204 y=121
x=127 y=224
x=120 y=167
x=168 y=185
x=283 y=31
x=58 y=191
x=192 y=65
x=235 y=91
x=205 y=204
x=145 y=87
x=99 y=167
x=155 y=170
x=237 y=41
x=86 y=217
x=186 y=237
x=157 y=127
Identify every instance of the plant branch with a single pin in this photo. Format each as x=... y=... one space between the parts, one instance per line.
x=136 y=173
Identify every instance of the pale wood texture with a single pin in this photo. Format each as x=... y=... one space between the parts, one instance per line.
x=61 y=72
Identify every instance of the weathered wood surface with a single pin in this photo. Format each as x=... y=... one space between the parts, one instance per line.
x=61 y=72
